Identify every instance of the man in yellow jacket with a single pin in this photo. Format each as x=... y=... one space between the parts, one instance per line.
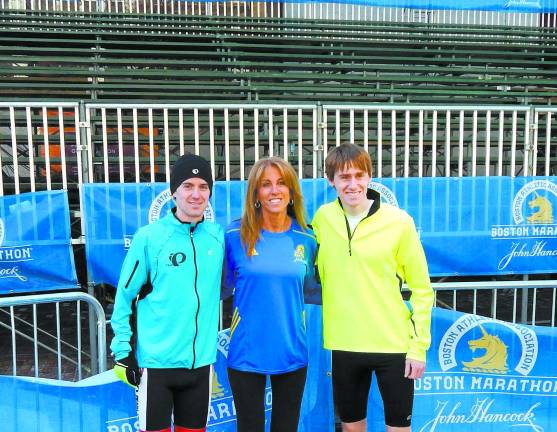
x=367 y=249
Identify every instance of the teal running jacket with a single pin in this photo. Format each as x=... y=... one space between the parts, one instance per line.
x=174 y=270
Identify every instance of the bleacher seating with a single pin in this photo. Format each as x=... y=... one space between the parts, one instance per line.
x=188 y=59
x=61 y=56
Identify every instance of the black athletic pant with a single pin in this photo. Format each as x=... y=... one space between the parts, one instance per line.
x=352 y=375
x=179 y=392
x=248 y=389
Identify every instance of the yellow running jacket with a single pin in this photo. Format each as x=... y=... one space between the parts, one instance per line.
x=362 y=275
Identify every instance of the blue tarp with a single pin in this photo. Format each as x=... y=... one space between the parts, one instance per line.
x=35 y=243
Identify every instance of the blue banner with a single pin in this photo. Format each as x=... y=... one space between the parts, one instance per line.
x=113 y=212
x=103 y=404
x=475 y=5
x=481 y=225
x=468 y=226
x=482 y=374
x=35 y=243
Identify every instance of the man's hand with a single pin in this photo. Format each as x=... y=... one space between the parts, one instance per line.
x=414 y=369
x=127 y=371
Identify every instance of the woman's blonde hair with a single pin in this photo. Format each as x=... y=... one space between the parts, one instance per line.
x=250 y=227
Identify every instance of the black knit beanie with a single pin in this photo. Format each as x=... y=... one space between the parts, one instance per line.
x=189 y=166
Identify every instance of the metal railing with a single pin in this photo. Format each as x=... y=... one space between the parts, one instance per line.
x=445 y=141
x=525 y=302
x=31 y=136
x=230 y=136
x=303 y=10
x=344 y=11
x=51 y=351
x=544 y=148
x=61 y=146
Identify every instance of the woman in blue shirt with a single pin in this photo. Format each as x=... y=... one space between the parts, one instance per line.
x=269 y=265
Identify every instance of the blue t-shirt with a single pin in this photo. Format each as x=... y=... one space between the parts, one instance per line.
x=268 y=332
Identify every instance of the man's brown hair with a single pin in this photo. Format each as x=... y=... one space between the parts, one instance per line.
x=346 y=156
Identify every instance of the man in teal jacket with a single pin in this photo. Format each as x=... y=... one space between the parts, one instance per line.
x=169 y=288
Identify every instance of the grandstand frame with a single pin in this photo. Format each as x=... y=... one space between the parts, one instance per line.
x=303 y=10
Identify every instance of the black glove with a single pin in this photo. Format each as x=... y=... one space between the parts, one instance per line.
x=127 y=371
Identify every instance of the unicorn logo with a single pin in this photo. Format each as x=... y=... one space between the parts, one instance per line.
x=495 y=355
x=300 y=254
x=494 y=360
x=217 y=390
x=544 y=212
x=535 y=198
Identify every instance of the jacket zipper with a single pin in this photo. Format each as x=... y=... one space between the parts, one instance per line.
x=196 y=295
x=351 y=234
x=133 y=272
x=374 y=207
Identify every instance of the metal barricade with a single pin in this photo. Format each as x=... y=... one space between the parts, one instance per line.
x=138 y=142
x=41 y=335
x=61 y=145
x=39 y=146
x=527 y=302
x=543 y=147
x=430 y=141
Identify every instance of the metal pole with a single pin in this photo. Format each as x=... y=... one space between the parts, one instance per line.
x=530 y=148
x=86 y=147
x=93 y=334
x=528 y=152
x=524 y=308
x=319 y=147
